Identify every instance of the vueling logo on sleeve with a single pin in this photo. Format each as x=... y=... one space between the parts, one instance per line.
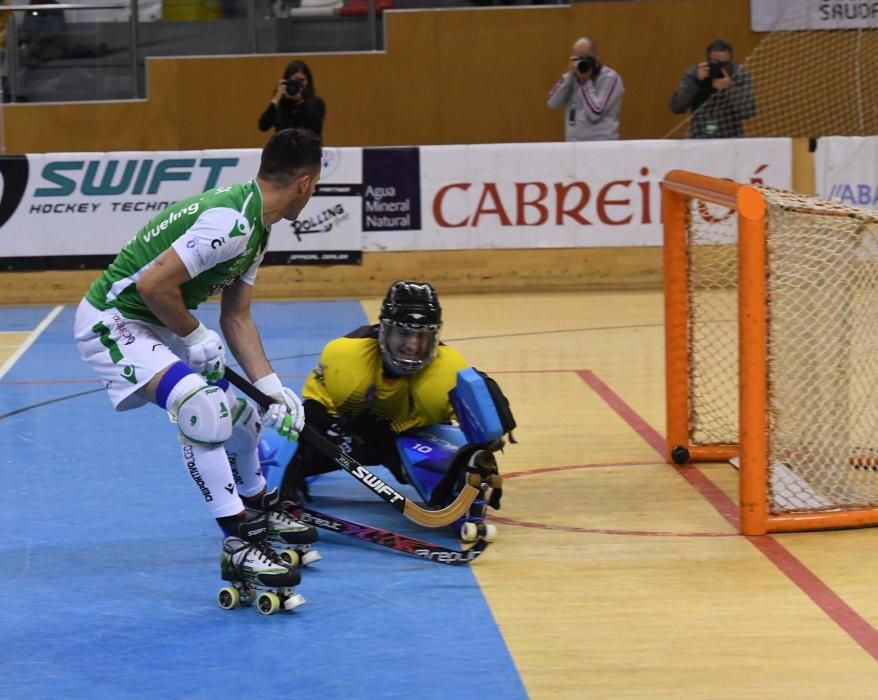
x=192 y=209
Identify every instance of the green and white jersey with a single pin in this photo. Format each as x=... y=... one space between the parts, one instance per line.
x=219 y=236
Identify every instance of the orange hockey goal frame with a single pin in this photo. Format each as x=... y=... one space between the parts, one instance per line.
x=748 y=263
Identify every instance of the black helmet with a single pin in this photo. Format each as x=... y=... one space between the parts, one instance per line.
x=410 y=309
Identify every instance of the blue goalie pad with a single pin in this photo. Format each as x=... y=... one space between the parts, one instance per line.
x=427 y=453
x=475 y=408
x=275 y=453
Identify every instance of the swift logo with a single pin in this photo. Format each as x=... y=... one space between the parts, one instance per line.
x=376 y=484
x=137 y=176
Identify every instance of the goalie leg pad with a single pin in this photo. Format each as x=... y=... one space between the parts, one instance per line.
x=203 y=416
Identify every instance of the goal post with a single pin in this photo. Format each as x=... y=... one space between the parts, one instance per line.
x=771 y=348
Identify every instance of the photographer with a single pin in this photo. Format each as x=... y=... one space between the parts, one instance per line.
x=591 y=93
x=295 y=102
x=720 y=94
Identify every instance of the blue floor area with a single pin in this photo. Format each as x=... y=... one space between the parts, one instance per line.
x=110 y=559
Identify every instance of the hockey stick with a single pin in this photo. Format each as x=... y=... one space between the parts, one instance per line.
x=392 y=540
x=428 y=518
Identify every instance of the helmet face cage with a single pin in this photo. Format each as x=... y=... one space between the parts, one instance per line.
x=410 y=311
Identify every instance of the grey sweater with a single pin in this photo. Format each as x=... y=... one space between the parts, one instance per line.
x=592 y=108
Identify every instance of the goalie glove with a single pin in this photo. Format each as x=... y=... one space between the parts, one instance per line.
x=286 y=415
x=205 y=354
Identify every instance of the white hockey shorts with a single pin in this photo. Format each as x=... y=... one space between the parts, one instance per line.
x=124 y=353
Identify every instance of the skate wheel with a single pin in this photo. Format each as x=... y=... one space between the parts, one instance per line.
x=268 y=603
x=310 y=557
x=469 y=532
x=291 y=556
x=291 y=602
x=495 y=481
x=228 y=598
x=490 y=533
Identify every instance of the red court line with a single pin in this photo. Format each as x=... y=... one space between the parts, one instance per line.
x=569 y=467
x=696 y=478
x=606 y=530
x=861 y=631
x=595 y=530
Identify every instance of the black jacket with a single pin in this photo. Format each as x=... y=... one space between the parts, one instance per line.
x=307 y=114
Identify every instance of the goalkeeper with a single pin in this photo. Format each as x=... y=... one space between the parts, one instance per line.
x=136 y=330
x=384 y=388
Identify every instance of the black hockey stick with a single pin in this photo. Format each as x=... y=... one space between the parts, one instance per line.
x=428 y=518
x=392 y=540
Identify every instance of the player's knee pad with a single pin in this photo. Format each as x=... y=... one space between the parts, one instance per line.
x=203 y=416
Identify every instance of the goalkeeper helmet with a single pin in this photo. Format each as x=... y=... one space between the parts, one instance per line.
x=409 y=324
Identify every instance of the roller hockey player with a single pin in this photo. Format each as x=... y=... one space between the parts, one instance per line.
x=382 y=394
x=135 y=329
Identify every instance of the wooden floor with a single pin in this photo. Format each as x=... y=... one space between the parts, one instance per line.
x=618 y=576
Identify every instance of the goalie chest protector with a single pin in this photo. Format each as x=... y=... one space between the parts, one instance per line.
x=481 y=408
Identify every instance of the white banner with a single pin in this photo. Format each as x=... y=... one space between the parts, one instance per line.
x=544 y=195
x=775 y=15
x=91 y=204
x=847 y=170
x=554 y=195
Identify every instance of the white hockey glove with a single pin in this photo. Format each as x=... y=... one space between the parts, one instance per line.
x=286 y=415
x=205 y=353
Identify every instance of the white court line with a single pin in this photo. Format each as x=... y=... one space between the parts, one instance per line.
x=30 y=340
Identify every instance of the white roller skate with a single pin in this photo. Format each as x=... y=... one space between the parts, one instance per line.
x=251 y=566
x=293 y=539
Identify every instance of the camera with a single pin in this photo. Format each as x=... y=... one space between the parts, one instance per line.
x=716 y=69
x=586 y=64
x=294 y=86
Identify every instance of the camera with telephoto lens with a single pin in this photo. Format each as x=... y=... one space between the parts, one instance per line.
x=294 y=86
x=586 y=64
x=716 y=70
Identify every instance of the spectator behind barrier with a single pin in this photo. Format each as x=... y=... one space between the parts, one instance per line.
x=42 y=35
x=295 y=102
x=719 y=93
x=591 y=93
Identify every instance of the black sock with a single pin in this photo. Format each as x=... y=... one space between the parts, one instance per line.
x=230 y=524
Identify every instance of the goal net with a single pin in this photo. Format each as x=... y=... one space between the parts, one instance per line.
x=771 y=303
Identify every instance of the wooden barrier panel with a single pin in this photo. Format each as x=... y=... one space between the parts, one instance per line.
x=449 y=76
x=453 y=271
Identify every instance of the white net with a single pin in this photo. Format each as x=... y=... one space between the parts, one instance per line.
x=804 y=84
x=822 y=290
x=713 y=324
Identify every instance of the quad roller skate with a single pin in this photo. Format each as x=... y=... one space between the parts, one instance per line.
x=257 y=574
x=293 y=539
x=482 y=473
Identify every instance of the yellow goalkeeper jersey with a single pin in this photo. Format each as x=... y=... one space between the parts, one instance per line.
x=349 y=379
